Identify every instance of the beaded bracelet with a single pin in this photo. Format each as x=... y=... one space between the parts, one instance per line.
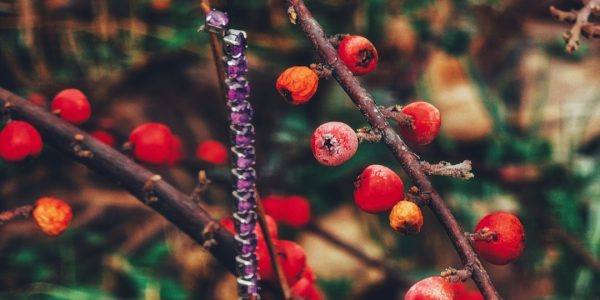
x=242 y=139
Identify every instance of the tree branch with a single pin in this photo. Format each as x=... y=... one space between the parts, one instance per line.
x=581 y=25
x=175 y=206
x=367 y=106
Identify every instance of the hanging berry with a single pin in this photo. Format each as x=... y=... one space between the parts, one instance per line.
x=52 y=215
x=406 y=217
x=19 y=140
x=426 y=123
x=297 y=84
x=432 y=288
x=509 y=242
x=72 y=106
x=334 y=143
x=104 y=136
x=377 y=189
x=212 y=151
x=152 y=143
x=359 y=54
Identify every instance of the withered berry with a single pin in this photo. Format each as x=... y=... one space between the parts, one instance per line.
x=52 y=215
x=359 y=54
x=18 y=140
x=334 y=143
x=72 y=106
x=426 y=123
x=297 y=84
x=406 y=217
x=509 y=242
x=377 y=189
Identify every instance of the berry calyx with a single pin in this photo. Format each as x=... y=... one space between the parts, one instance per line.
x=152 y=143
x=432 y=288
x=104 y=136
x=297 y=84
x=212 y=151
x=333 y=143
x=52 y=215
x=426 y=123
x=406 y=217
x=359 y=54
x=19 y=140
x=293 y=210
x=509 y=242
x=377 y=189
x=72 y=106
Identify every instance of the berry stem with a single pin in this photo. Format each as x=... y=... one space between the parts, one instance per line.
x=174 y=205
x=454 y=275
x=367 y=106
x=16 y=213
x=461 y=170
x=366 y=134
x=395 y=114
x=484 y=235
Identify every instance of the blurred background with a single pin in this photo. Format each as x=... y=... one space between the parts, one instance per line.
x=512 y=101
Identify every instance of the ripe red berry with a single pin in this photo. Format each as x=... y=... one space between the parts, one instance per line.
x=72 y=106
x=212 y=151
x=104 y=136
x=293 y=260
x=152 y=143
x=462 y=293
x=297 y=84
x=426 y=123
x=359 y=54
x=432 y=288
x=333 y=143
x=509 y=242
x=18 y=140
x=52 y=215
x=176 y=153
x=378 y=189
x=293 y=211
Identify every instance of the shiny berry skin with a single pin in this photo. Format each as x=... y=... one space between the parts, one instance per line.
x=293 y=210
x=462 y=293
x=510 y=241
x=19 y=140
x=104 y=136
x=432 y=288
x=406 y=217
x=52 y=215
x=359 y=54
x=212 y=151
x=378 y=189
x=152 y=143
x=426 y=123
x=297 y=84
x=333 y=143
x=176 y=153
x=72 y=106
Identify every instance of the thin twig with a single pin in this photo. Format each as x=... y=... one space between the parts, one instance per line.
x=175 y=206
x=367 y=106
x=15 y=213
x=581 y=24
x=461 y=170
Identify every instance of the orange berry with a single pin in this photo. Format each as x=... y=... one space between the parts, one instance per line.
x=52 y=215
x=406 y=217
x=297 y=84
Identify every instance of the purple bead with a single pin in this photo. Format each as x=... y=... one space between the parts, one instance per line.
x=247 y=249
x=217 y=19
x=244 y=206
x=243 y=162
x=250 y=270
x=243 y=140
x=240 y=118
x=237 y=92
x=236 y=67
x=235 y=43
x=244 y=228
x=244 y=184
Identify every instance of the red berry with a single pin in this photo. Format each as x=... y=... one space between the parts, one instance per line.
x=378 y=189
x=38 y=99
x=359 y=54
x=72 y=106
x=52 y=215
x=432 y=288
x=104 y=136
x=333 y=143
x=176 y=153
x=426 y=123
x=161 y=5
x=293 y=211
x=297 y=84
x=462 y=293
x=293 y=260
x=152 y=143
x=18 y=140
x=212 y=151
x=302 y=288
x=509 y=242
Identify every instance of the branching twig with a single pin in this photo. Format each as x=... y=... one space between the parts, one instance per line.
x=367 y=106
x=175 y=206
x=581 y=25
x=395 y=114
x=454 y=275
x=461 y=170
x=17 y=212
